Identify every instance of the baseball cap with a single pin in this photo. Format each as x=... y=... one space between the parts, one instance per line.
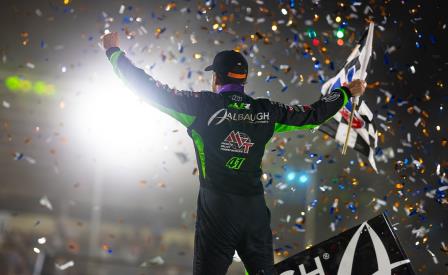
x=232 y=64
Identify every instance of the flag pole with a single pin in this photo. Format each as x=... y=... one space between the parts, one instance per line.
x=367 y=47
x=355 y=103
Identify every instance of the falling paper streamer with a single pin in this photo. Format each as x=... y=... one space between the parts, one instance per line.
x=157 y=261
x=420 y=232
x=18 y=156
x=44 y=201
x=379 y=203
x=434 y=258
x=121 y=10
x=30 y=160
x=65 y=266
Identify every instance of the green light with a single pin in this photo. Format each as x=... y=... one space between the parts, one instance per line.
x=15 y=83
x=340 y=33
x=311 y=33
x=40 y=87
x=26 y=86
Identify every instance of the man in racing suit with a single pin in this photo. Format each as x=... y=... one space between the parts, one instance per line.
x=230 y=131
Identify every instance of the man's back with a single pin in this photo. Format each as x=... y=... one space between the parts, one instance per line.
x=230 y=135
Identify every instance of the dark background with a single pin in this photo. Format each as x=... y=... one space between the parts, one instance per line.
x=121 y=176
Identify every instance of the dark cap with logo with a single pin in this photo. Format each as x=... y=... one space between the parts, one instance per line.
x=230 y=64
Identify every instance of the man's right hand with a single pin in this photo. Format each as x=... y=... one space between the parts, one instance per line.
x=110 y=40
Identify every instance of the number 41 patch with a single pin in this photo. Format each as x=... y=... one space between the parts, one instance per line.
x=235 y=163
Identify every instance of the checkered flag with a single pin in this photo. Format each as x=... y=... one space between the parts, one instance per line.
x=363 y=136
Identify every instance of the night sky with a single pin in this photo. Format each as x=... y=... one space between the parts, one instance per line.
x=111 y=183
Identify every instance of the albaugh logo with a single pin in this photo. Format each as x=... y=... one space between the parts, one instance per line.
x=237 y=142
x=223 y=114
x=385 y=267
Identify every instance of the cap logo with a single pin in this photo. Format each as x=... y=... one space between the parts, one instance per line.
x=237 y=76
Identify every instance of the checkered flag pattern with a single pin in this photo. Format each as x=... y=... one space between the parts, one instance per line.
x=363 y=135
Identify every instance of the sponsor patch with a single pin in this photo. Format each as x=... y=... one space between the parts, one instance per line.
x=225 y=115
x=237 y=142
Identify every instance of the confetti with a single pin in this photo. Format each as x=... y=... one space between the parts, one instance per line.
x=65 y=265
x=292 y=48
x=44 y=201
x=158 y=260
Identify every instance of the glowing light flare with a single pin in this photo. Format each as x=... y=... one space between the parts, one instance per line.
x=311 y=33
x=303 y=178
x=291 y=176
x=340 y=33
x=116 y=123
x=16 y=83
x=170 y=6
x=197 y=56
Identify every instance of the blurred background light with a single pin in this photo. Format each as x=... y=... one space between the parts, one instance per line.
x=291 y=176
x=303 y=178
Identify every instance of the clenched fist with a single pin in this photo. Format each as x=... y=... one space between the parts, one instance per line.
x=110 y=40
x=357 y=87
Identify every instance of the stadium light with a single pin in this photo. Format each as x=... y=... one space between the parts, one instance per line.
x=114 y=121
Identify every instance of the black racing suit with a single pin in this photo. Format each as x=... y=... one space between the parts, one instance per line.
x=230 y=131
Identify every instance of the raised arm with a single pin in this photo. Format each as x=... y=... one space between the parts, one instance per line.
x=182 y=105
x=299 y=117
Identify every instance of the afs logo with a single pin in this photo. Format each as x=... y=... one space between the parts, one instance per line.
x=237 y=142
x=385 y=267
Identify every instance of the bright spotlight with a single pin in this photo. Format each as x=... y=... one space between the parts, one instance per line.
x=303 y=178
x=116 y=123
x=291 y=176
